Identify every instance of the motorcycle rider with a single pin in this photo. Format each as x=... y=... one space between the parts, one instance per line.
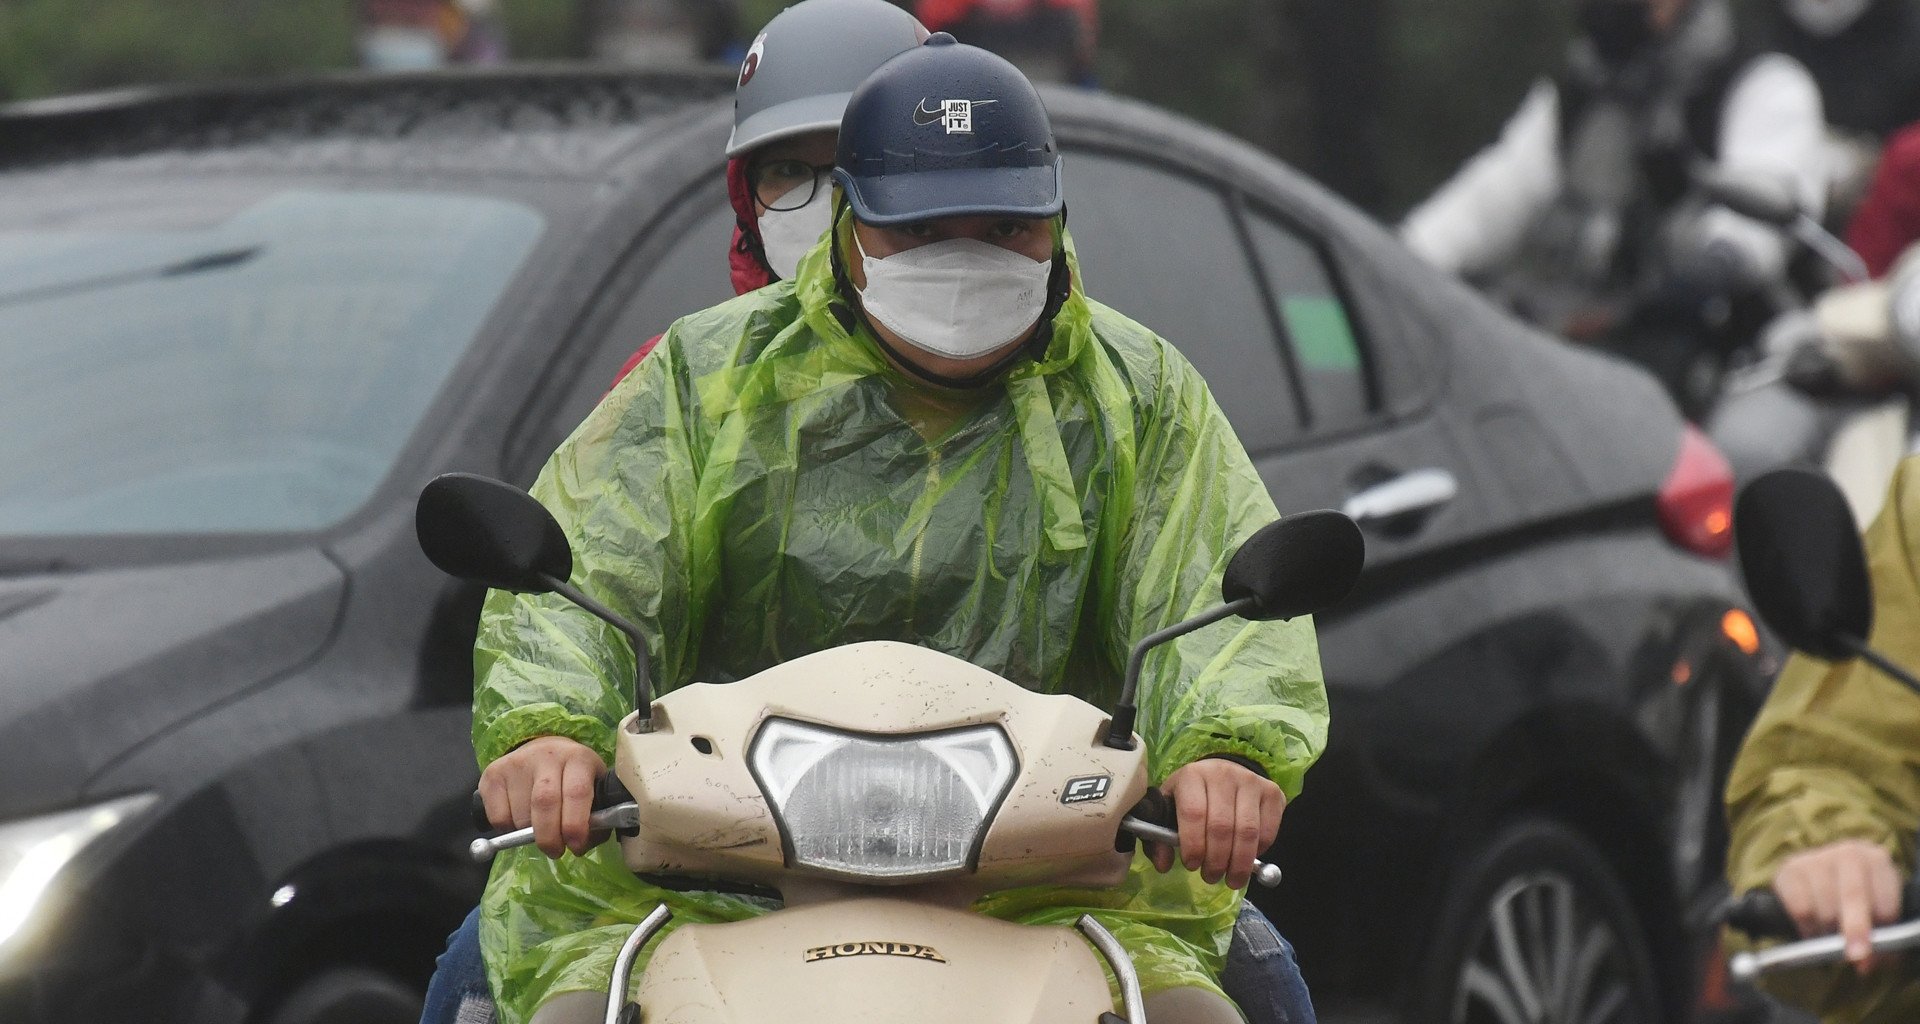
x=1824 y=796
x=1888 y=221
x=791 y=89
x=793 y=85
x=930 y=434
x=1581 y=215
x=1865 y=56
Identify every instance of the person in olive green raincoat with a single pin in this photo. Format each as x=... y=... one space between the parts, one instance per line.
x=827 y=460
x=1824 y=798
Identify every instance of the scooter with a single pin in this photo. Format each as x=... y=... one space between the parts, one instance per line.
x=1829 y=386
x=879 y=788
x=1807 y=575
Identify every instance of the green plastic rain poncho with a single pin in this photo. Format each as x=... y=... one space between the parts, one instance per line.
x=767 y=485
x=1835 y=754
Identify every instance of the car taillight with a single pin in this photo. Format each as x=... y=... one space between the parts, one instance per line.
x=1696 y=501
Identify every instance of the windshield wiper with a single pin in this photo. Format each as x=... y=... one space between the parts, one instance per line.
x=179 y=268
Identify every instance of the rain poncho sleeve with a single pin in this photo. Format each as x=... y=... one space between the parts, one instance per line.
x=1249 y=689
x=547 y=668
x=766 y=485
x=1835 y=754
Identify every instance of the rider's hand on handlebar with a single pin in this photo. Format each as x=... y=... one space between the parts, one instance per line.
x=1846 y=887
x=1227 y=816
x=546 y=782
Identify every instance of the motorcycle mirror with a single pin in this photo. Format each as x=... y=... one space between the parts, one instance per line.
x=480 y=529
x=490 y=532
x=1299 y=565
x=1803 y=563
x=1764 y=199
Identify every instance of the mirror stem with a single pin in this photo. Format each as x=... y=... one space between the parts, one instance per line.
x=642 y=668
x=1881 y=662
x=1120 y=732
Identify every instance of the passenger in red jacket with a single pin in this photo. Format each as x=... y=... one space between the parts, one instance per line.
x=1888 y=221
x=792 y=89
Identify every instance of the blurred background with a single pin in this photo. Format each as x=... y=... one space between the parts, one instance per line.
x=241 y=327
x=1325 y=84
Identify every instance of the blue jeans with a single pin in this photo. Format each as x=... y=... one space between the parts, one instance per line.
x=458 y=993
x=1261 y=976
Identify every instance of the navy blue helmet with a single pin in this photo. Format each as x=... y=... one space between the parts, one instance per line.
x=947 y=130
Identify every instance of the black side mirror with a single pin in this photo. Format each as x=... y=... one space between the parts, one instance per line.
x=1300 y=565
x=1297 y=566
x=1804 y=567
x=491 y=532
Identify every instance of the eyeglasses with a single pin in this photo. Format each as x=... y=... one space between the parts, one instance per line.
x=786 y=184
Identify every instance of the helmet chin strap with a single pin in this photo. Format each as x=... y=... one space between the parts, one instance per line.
x=852 y=316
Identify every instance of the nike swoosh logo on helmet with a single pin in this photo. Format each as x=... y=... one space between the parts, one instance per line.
x=923 y=117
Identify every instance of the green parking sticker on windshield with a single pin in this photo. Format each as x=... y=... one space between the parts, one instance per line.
x=1320 y=332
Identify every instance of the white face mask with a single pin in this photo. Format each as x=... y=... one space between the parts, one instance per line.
x=959 y=298
x=787 y=235
x=401 y=48
x=1826 y=18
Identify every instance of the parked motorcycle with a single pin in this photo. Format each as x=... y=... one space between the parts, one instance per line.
x=880 y=788
x=1807 y=574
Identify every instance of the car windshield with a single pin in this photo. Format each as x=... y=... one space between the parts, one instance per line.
x=233 y=358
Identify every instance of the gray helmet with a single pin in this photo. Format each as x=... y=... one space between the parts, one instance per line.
x=807 y=61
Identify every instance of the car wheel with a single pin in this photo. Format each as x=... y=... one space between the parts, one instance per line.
x=1534 y=929
x=349 y=995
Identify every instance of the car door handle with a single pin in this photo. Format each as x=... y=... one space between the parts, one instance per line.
x=1420 y=490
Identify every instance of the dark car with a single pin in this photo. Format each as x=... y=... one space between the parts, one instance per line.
x=240 y=328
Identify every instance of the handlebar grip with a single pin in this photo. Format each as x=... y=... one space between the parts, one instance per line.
x=1761 y=915
x=1156 y=808
x=609 y=791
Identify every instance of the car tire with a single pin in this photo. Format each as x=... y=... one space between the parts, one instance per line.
x=1535 y=929
x=349 y=995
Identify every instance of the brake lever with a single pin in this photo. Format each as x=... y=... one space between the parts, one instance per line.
x=1268 y=875
x=618 y=818
x=1826 y=949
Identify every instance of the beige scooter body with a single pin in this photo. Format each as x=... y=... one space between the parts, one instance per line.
x=853 y=945
x=845 y=962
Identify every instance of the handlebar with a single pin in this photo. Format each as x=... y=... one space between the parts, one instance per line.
x=618 y=818
x=613 y=809
x=1760 y=914
x=1152 y=819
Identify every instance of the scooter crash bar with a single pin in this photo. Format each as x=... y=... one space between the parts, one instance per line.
x=1826 y=949
x=1266 y=874
x=618 y=818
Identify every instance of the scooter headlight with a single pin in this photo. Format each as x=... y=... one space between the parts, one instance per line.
x=900 y=808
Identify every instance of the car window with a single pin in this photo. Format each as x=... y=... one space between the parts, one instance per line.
x=1162 y=249
x=243 y=359
x=1326 y=347
x=688 y=276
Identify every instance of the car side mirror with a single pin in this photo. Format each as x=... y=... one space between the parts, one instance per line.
x=1803 y=563
x=1297 y=566
x=480 y=529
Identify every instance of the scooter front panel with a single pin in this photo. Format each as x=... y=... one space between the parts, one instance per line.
x=873 y=961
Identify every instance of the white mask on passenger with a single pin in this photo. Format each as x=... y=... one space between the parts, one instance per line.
x=1826 y=18
x=959 y=298
x=787 y=235
x=401 y=48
